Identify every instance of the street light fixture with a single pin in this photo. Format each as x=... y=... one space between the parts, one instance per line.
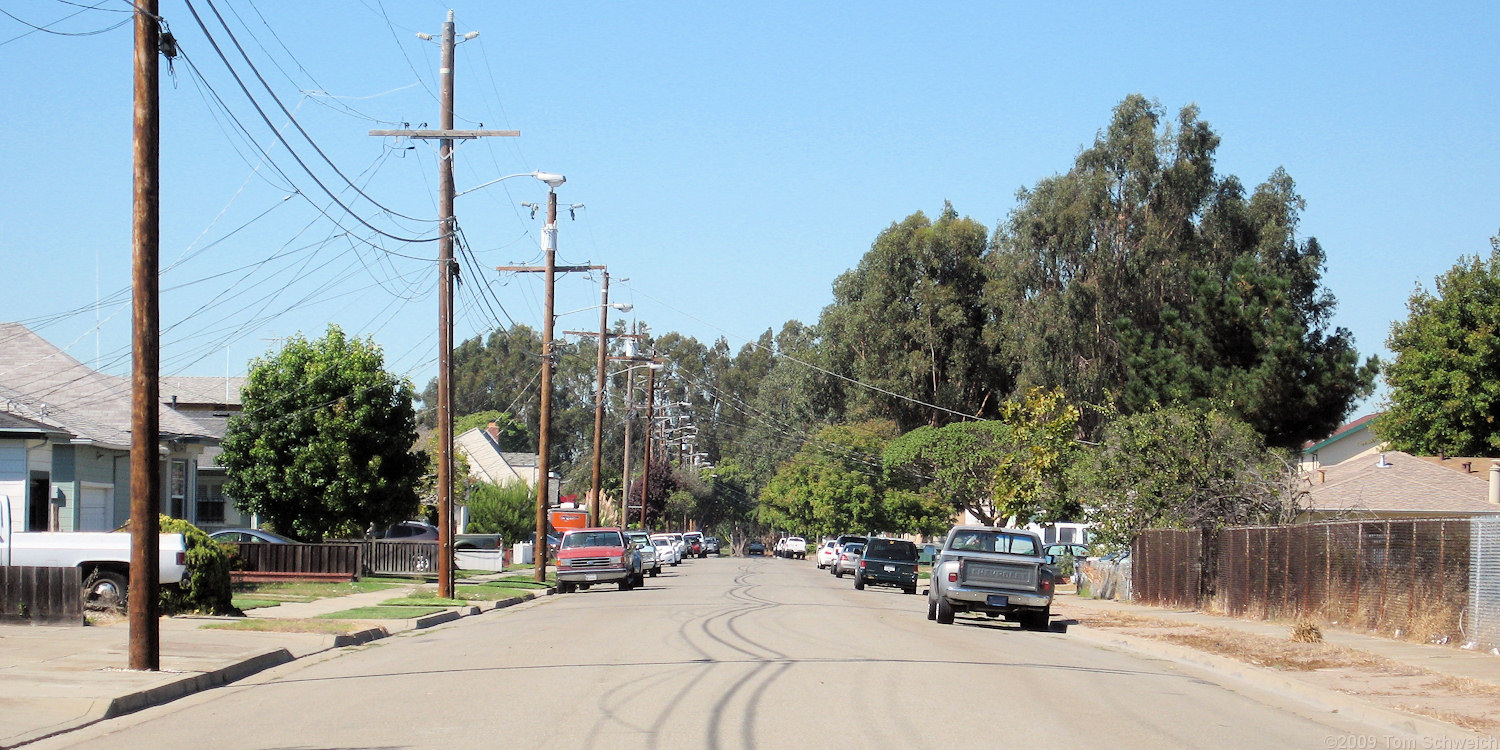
x=552 y=180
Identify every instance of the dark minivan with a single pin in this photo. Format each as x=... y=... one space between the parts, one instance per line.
x=888 y=562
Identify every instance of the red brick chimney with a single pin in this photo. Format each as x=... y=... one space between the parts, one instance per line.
x=494 y=430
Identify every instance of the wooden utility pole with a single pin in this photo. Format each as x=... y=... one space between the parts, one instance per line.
x=625 y=464
x=446 y=272
x=646 y=441
x=603 y=346
x=145 y=417
x=544 y=440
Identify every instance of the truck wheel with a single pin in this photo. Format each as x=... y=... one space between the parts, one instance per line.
x=859 y=582
x=911 y=590
x=563 y=587
x=931 y=608
x=105 y=590
x=944 y=612
x=1037 y=620
x=627 y=583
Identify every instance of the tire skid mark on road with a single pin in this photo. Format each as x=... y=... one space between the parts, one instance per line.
x=720 y=709
x=747 y=717
x=611 y=701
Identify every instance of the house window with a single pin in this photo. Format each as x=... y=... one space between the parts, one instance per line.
x=178 y=486
x=210 y=503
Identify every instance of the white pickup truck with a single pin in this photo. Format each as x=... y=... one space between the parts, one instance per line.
x=102 y=558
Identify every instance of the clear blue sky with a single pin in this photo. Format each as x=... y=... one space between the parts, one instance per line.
x=734 y=158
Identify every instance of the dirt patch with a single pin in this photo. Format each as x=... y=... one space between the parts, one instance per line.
x=1467 y=703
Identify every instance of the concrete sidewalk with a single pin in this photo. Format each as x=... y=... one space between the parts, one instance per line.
x=54 y=679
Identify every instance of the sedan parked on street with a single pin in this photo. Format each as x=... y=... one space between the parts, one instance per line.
x=756 y=548
x=848 y=559
x=250 y=535
x=666 y=549
x=826 y=554
x=650 y=565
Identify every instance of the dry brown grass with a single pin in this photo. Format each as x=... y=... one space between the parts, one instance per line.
x=1471 y=704
x=1307 y=631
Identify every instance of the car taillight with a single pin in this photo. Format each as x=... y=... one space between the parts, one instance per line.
x=1046 y=585
x=861 y=563
x=952 y=576
x=182 y=558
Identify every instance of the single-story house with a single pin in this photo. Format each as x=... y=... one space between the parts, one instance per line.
x=487 y=463
x=65 y=441
x=1399 y=485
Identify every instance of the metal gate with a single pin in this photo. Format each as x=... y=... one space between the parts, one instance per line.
x=1482 y=621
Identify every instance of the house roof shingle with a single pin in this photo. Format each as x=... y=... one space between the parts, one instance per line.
x=42 y=383
x=202 y=391
x=1404 y=484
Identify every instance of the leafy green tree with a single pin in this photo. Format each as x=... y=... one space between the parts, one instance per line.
x=1181 y=467
x=513 y=435
x=1009 y=467
x=505 y=509
x=1445 y=380
x=910 y=319
x=1140 y=277
x=833 y=484
x=323 y=445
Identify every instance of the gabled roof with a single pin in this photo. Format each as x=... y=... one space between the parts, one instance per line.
x=42 y=383
x=12 y=426
x=1343 y=431
x=487 y=462
x=1396 y=482
x=202 y=391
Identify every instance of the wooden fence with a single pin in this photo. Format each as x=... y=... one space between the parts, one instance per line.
x=330 y=561
x=1409 y=576
x=381 y=557
x=41 y=596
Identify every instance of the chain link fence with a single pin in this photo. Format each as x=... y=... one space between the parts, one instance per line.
x=1435 y=580
x=1481 y=622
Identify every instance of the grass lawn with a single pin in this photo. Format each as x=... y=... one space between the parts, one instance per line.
x=243 y=602
x=492 y=593
x=332 y=627
x=382 y=613
x=306 y=591
x=423 y=601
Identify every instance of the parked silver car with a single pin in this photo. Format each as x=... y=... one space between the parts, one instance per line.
x=650 y=563
x=848 y=559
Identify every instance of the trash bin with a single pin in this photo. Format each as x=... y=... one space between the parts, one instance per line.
x=521 y=553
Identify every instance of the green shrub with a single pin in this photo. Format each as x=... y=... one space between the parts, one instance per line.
x=205 y=586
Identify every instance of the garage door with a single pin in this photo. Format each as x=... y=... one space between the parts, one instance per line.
x=95 y=506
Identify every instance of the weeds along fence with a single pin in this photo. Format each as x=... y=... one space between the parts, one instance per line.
x=1427 y=579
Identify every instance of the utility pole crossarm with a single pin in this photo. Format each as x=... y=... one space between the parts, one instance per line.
x=543 y=269
x=453 y=134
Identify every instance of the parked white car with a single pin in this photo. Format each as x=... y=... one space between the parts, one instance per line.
x=666 y=549
x=826 y=554
x=102 y=558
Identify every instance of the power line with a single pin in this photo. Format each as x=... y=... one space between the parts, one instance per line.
x=218 y=51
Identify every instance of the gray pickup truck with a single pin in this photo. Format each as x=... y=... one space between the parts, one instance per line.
x=995 y=571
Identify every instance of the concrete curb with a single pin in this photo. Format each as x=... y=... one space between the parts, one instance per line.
x=1392 y=720
x=199 y=682
x=171 y=691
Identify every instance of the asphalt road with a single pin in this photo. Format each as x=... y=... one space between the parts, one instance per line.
x=726 y=653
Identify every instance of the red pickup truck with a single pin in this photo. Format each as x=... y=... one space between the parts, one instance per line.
x=597 y=555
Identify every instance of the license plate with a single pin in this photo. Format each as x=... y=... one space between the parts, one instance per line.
x=996 y=600
x=595 y=577
x=890 y=568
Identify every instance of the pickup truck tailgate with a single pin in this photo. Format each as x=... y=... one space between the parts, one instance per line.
x=997 y=574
